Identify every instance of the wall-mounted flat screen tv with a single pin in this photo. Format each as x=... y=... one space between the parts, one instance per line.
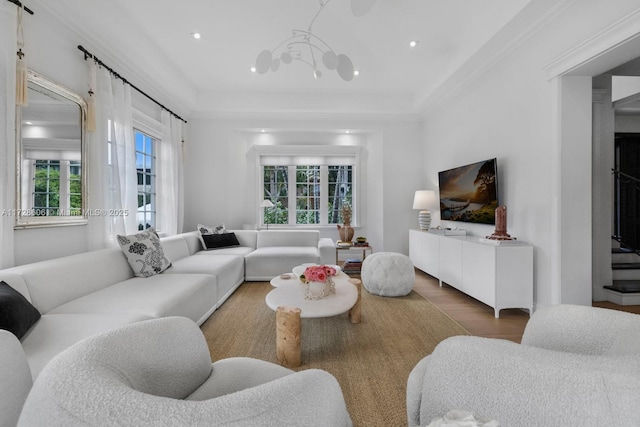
x=470 y=193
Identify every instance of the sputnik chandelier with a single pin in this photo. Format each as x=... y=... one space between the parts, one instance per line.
x=307 y=47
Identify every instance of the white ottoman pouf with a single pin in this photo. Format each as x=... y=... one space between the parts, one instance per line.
x=388 y=274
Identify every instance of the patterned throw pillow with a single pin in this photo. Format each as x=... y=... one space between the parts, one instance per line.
x=204 y=230
x=144 y=253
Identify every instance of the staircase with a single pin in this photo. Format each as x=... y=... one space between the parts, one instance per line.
x=625 y=248
x=625 y=289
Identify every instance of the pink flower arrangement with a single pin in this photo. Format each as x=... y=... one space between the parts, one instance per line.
x=319 y=273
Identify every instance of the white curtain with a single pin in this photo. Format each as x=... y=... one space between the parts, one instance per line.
x=7 y=131
x=170 y=199
x=113 y=181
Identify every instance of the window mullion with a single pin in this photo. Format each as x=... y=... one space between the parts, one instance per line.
x=292 y=191
x=64 y=198
x=324 y=194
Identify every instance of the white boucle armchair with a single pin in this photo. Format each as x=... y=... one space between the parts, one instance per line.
x=159 y=373
x=576 y=366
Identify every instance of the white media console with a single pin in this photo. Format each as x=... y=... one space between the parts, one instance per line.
x=500 y=274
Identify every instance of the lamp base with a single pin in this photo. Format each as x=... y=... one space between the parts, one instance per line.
x=424 y=220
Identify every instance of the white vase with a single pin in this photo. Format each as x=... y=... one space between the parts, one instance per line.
x=317 y=290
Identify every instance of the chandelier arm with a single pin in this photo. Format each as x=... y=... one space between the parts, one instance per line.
x=311 y=45
x=322 y=5
x=304 y=62
x=311 y=35
x=283 y=42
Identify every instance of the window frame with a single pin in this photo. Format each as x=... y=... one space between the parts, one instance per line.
x=152 y=175
x=298 y=154
x=64 y=192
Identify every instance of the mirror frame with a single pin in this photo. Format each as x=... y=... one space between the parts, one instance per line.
x=29 y=221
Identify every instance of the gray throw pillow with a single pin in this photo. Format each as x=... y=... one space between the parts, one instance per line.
x=144 y=253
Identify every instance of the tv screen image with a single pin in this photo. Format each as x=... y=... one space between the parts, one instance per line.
x=470 y=193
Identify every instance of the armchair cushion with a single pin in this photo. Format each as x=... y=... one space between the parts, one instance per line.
x=583 y=329
x=143 y=374
x=16 y=378
x=525 y=385
x=519 y=385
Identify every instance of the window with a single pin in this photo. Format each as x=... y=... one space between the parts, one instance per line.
x=308 y=184
x=320 y=193
x=308 y=195
x=57 y=188
x=275 y=188
x=146 y=167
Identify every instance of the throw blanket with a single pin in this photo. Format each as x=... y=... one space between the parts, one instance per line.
x=458 y=418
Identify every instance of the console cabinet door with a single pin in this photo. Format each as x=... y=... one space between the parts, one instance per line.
x=431 y=258
x=424 y=251
x=479 y=272
x=451 y=261
x=416 y=251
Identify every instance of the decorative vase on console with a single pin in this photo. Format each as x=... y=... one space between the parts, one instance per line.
x=345 y=231
x=501 y=225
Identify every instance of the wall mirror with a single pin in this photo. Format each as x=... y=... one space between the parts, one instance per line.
x=51 y=170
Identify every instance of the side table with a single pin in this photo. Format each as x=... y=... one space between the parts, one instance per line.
x=364 y=250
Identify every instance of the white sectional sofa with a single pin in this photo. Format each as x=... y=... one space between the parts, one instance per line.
x=81 y=295
x=86 y=294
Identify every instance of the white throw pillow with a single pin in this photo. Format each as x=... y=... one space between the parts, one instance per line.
x=203 y=229
x=144 y=253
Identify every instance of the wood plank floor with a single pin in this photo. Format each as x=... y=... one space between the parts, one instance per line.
x=478 y=318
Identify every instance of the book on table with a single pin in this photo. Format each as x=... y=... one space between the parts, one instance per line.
x=352 y=264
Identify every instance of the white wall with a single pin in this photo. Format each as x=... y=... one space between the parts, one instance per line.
x=515 y=112
x=220 y=176
x=50 y=50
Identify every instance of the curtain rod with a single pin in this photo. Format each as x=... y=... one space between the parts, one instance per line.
x=17 y=3
x=88 y=54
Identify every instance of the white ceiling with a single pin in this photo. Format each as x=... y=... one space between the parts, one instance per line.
x=151 y=44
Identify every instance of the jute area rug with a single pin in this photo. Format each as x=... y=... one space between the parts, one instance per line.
x=371 y=360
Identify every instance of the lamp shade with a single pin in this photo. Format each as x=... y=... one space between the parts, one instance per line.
x=424 y=199
x=266 y=204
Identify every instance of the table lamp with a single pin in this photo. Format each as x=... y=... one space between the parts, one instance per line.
x=423 y=200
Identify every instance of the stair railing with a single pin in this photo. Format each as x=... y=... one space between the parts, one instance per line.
x=623 y=178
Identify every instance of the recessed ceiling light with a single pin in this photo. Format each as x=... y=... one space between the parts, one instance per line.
x=263 y=130
x=356 y=73
x=28 y=123
x=413 y=43
x=253 y=69
x=196 y=35
x=347 y=131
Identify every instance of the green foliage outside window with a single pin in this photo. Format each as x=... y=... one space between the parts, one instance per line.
x=46 y=195
x=307 y=193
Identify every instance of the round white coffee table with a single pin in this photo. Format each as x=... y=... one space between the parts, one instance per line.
x=287 y=300
x=291 y=294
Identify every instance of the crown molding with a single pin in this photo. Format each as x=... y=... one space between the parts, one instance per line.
x=339 y=116
x=528 y=22
x=602 y=43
